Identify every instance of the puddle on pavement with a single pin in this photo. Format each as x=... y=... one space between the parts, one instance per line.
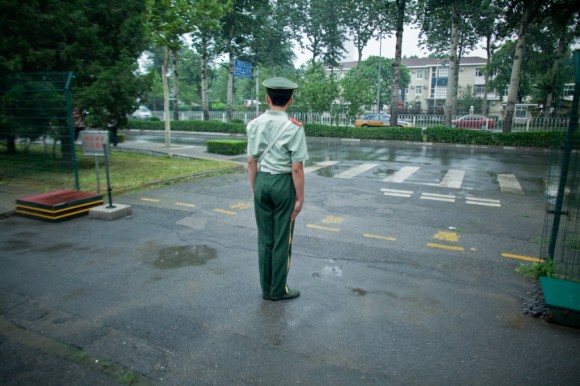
x=329 y=271
x=359 y=291
x=184 y=256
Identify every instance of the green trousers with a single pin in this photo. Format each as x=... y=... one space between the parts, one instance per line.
x=274 y=199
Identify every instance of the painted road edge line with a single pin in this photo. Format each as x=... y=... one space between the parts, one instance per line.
x=387 y=238
x=185 y=204
x=448 y=247
x=397 y=193
x=323 y=228
x=525 y=258
x=437 y=197
x=225 y=212
x=495 y=205
x=150 y=199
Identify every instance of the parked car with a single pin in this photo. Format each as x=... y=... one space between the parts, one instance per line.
x=473 y=122
x=141 y=113
x=380 y=120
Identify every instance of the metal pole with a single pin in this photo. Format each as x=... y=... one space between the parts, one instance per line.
x=257 y=92
x=379 y=78
x=70 y=124
x=97 y=174
x=108 y=179
x=566 y=158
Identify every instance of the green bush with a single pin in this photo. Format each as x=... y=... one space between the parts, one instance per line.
x=227 y=146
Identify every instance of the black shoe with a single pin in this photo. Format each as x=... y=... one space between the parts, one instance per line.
x=291 y=294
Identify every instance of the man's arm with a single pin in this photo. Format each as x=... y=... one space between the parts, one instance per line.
x=298 y=178
x=252 y=172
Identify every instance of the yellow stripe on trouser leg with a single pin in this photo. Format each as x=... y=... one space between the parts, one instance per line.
x=274 y=199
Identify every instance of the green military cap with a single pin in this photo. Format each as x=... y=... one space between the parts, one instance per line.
x=279 y=83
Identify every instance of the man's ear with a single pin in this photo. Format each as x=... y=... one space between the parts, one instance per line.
x=291 y=101
x=267 y=98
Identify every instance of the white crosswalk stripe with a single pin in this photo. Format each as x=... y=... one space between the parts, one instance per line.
x=356 y=171
x=402 y=175
x=319 y=165
x=508 y=183
x=453 y=179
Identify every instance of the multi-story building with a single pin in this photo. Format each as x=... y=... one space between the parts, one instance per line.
x=429 y=78
x=427 y=90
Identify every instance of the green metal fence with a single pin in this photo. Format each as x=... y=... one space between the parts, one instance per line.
x=561 y=245
x=36 y=128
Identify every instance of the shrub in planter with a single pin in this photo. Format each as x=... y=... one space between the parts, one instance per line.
x=226 y=146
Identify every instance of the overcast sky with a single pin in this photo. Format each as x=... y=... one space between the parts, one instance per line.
x=387 y=49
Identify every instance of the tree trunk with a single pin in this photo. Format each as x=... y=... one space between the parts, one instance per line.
x=204 y=98
x=486 y=75
x=397 y=62
x=516 y=70
x=11 y=144
x=451 y=77
x=454 y=94
x=166 y=99
x=175 y=87
x=562 y=44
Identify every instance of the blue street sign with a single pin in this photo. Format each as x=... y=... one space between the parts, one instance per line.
x=242 y=69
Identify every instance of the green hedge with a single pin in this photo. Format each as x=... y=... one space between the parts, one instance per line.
x=378 y=133
x=227 y=146
x=439 y=134
x=475 y=137
x=200 y=126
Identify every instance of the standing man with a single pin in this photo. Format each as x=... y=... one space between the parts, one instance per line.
x=276 y=151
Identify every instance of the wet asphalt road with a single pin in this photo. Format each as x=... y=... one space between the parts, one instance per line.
x=396 y=290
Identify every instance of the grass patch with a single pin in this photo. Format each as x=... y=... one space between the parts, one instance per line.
x=535 y=270
x=128 y=378
x=40 y=173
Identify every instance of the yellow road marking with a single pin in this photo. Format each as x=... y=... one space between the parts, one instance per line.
x=371 y=236
x=323 y=228
x=185 y=204
x=526 y=258
x=333 y=220
x=225 y=211
x=446 y=236
x=448 y=247
x=151 y=199
x=240 y=205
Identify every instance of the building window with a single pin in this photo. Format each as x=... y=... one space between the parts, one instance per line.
x=442 y=72
x=478 y=89
x=521 y=112
x=420 y=74
x=478 y=72
x=418 y=90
